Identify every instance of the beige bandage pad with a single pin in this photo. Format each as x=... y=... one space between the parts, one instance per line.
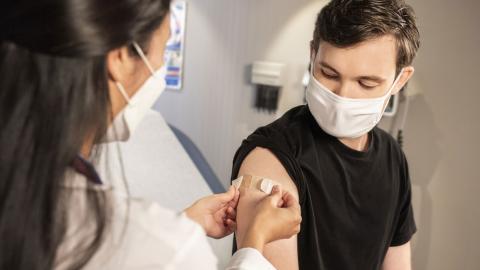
x=256 y=182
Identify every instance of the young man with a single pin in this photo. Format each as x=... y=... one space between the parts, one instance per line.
x=351 y=177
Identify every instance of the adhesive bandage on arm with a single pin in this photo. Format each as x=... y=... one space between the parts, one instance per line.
x=255 y=182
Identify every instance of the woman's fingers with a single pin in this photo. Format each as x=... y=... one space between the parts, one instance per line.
x=226 y=197
x=230 y=194
x=231 y=213
x=289 y=200
x=276 y=196
x=280 y=203
x=291 y=204
x=234 y=202
x=226 y=213
x=231 y=225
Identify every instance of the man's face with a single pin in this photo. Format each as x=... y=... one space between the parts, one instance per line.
x=365 y=70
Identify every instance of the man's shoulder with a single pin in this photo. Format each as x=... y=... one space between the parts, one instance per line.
x=290 y=123
x=283 y=135
x=388 y=144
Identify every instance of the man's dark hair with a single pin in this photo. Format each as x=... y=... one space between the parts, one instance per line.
x=344 y=23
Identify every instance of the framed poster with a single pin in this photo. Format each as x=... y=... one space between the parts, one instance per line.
x=174 y=52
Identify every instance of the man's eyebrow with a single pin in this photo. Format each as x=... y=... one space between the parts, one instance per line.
x=323 y=64
x=373 y=78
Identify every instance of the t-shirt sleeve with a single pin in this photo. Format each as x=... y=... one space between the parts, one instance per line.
x=275 y=141
x=405 y=226
x=280 y=146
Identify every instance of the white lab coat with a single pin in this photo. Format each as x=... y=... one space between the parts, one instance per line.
x=156 y=167
x=143 y=235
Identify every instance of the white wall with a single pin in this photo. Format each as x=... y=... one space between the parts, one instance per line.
x=215 y=106
x=442 y=136
x=223 y=39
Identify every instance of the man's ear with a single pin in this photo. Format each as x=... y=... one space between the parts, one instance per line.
x=404 y=78
x=120 y=64
x=313 y=50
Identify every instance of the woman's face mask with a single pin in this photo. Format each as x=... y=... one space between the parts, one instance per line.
x=126 y=121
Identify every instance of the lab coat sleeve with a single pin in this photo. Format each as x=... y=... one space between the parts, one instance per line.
x=247 y=259
x=199 y=254
x=196 y=253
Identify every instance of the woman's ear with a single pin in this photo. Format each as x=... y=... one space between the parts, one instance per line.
x=120 y=64
x=404 y=78
x=120 y=67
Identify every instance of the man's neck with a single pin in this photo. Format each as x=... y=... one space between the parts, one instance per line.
x=359 y=144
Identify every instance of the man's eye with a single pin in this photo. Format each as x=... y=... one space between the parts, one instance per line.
x=329 y=75
x=367 y=85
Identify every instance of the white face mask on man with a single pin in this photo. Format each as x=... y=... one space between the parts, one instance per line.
x=343 y=117
x=128 y=119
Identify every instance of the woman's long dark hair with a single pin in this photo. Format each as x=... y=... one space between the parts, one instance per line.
x=53 y=95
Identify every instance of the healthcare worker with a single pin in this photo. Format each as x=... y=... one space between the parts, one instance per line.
x=74 y=73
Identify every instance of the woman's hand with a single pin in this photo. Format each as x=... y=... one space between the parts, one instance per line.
x=216 y=213
x=277 y=216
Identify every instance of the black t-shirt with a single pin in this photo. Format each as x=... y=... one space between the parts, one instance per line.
x=355 y=205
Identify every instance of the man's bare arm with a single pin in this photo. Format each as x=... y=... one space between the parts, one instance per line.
x=261 y=162
x=398 y=258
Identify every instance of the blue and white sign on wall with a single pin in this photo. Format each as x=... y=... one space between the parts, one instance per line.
x=175 y=47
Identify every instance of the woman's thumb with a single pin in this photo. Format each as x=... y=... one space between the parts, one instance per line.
x=227 y=196
x=276 y=195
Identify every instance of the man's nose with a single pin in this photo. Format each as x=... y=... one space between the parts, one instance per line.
x=342 y=89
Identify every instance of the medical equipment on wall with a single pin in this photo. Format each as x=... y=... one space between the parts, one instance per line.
x=175 y=50
x=392 y=106
x=399 y=118
x=269 y=79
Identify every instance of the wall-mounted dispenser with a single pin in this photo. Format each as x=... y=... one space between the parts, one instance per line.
x=269 y=79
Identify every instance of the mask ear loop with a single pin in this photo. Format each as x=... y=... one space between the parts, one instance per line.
x=144 y=58
x=313 y=57
x=122 y=91
x=120 y=87
x=396 y=81
x=390 y=96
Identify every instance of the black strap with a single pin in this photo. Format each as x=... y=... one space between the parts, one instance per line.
x=86 y=168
